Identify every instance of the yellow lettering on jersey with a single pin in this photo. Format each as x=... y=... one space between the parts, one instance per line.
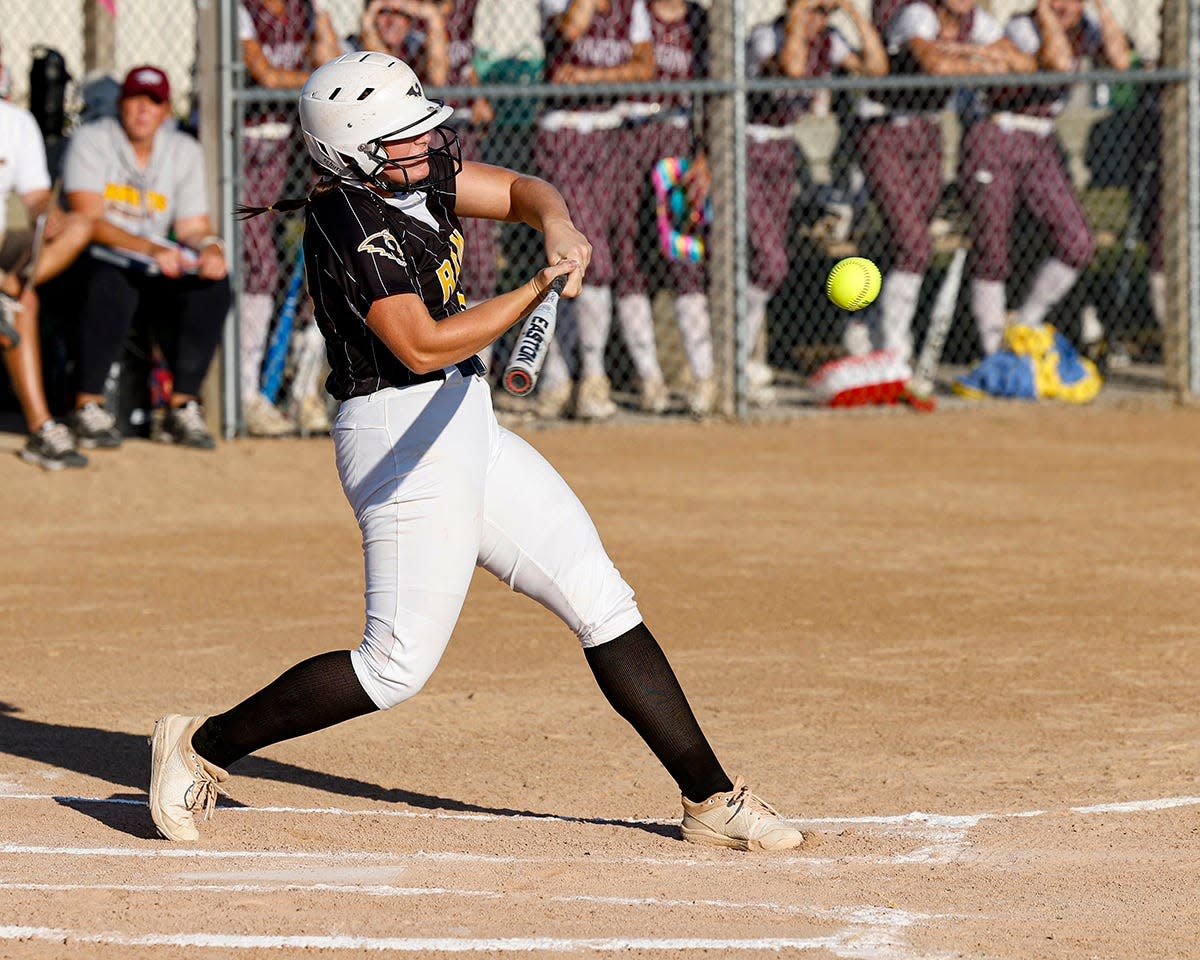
x=450 y=268
x=445 y=273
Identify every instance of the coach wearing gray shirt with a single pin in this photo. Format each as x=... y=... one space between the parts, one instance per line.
x=142 y=183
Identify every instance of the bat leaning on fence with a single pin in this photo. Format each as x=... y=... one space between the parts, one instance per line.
x=920 y=387
x=277 y=349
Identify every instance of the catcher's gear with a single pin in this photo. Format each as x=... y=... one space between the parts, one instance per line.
x=351 y=106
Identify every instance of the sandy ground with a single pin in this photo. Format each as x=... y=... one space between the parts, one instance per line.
x=962 y=649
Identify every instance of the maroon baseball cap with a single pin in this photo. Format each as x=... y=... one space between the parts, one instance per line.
x=146 y=81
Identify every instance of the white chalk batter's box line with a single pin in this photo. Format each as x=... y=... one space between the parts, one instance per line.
x=945 y=836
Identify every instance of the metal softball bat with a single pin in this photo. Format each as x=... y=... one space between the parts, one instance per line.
x=533 y=342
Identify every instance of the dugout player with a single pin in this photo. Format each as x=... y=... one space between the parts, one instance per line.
x=437 y=485
x=800 y=43
x=658 y=127
x=281 y=41
x=1015 y=158
x=578 y=147
x=901 y=143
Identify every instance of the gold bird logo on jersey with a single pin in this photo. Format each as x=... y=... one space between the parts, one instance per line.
x=387 y=247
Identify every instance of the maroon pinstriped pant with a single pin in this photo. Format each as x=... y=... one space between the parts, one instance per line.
x=480 y=236
x=643 y=145
x=902 y=163
x=586 y=168
x=1003 y=168
x=265 y=170
x=770 y=189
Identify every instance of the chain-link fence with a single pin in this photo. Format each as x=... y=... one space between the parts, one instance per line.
x=826 y=128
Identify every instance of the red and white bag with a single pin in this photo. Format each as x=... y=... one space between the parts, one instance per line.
x=879 y=377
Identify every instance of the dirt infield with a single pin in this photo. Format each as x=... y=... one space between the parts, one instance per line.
x=963 y=649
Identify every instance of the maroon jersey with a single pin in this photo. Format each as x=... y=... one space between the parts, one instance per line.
x=781 y=109
x=882 y=12
x=605 y=43
x=284 y=40
x=676 y=54
x=903 y=62
x=1085 y=39
x=459 y=26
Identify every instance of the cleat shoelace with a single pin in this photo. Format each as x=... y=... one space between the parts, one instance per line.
x=742 y=796
x=204 y=790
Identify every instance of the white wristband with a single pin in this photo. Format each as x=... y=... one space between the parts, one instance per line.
x=212 y=240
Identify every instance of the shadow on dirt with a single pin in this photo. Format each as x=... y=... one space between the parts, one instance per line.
x=123 y=759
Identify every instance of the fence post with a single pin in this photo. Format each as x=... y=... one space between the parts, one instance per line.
x=1176 y=182
x=99 y=37
x=726 y=116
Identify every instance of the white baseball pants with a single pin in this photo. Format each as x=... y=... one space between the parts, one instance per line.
x=439 y=487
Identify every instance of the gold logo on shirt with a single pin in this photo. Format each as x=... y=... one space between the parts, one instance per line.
x=387 y=247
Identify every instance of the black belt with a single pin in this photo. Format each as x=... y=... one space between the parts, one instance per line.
x=468 y=368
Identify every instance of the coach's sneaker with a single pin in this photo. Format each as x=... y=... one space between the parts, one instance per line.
x=738 y=819
x=52 y=448
x=185 y=426
x=181 y=781
x=594 y=401
x=94 y=426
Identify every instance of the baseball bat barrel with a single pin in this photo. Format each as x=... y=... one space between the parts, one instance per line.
x=533 y=342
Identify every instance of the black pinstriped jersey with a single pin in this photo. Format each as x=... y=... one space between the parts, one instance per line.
x=360 y=247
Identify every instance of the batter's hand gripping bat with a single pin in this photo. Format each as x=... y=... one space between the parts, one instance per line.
x=920 y=388
x=533 y=342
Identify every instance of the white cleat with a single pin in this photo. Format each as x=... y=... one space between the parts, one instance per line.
x=181 y=781
x=739 y=820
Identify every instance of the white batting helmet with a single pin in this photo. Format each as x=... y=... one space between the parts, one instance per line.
x=350 y=106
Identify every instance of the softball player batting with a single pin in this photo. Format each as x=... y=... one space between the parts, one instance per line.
x=437 y=485
x=1014 y=157
x=901 y=143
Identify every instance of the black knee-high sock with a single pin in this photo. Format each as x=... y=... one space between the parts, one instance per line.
x=634 y=675
x=312 y=695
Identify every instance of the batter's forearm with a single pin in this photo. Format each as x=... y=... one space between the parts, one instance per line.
x=424 y=345
x=536 y=203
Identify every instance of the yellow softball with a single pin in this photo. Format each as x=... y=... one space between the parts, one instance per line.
x=853 y=283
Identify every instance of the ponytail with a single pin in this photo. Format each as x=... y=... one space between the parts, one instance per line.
x=287 y=205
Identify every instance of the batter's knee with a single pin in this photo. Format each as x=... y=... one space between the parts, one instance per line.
x=392 y=668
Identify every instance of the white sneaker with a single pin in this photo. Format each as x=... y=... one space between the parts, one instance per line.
x=655 y=397
x=594 y=399
x=759 y=374
x=264 y=419
x=739 y=820
x=703 y=398
x=760 y=396
x=856 y=338
x=314 y=414
x=181 y=781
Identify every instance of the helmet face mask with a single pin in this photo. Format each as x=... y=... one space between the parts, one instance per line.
x=443 y=145
x=352 y=106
